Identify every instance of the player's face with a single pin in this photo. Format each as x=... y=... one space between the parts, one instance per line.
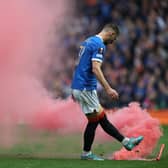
x=111 y=37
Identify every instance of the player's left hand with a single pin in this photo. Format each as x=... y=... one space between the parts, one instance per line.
x=112 y=93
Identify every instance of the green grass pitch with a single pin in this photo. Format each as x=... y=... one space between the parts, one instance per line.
x=49 y=151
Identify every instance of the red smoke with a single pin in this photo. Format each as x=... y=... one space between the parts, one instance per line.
x=134 y=121
x=27 y=30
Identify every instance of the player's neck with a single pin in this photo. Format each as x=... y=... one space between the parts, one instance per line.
x=101 y=36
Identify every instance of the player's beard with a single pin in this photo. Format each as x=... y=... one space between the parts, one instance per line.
x=106 y=42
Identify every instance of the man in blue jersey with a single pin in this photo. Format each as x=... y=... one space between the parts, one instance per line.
x=84 y=85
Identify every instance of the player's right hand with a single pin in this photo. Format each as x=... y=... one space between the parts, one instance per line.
x=112 y=93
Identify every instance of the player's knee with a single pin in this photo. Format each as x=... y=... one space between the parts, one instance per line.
x=95 y=116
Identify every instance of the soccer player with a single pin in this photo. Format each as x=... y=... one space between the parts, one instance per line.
x=84 y=84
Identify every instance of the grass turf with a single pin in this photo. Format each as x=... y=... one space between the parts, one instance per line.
x=41 y=153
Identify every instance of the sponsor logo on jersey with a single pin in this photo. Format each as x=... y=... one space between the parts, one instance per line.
x=101 y=50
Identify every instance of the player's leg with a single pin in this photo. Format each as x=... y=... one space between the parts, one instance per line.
x=89 y=134
x=88 y=139
x=109 y=128
x=90 y=106
x=86 y=103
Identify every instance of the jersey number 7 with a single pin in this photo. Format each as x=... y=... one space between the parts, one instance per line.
x=81 y=52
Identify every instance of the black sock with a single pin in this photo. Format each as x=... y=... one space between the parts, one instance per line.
x=110 y=129
x=89 y=135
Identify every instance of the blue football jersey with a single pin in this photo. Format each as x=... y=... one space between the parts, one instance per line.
x=91 y=49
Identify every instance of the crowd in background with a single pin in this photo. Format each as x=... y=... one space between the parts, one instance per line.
x=137 y=64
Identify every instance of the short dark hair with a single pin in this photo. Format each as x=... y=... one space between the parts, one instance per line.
x=111 y=26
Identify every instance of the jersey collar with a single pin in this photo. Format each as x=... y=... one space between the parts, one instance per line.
x=99 y=37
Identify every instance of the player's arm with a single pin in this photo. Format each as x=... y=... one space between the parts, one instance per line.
x=96 y=69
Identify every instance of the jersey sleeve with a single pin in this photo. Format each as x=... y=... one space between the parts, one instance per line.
x=98 y=54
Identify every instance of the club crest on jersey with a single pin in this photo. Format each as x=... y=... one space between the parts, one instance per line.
x=101 y=50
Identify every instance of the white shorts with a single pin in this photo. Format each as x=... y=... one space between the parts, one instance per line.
x=88 y=101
